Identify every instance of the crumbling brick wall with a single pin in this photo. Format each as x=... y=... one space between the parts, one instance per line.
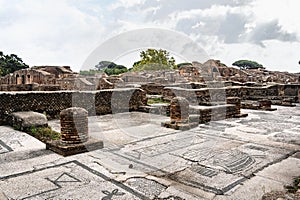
x=51 y=103
x=29 y=87
x=207 y=95
x=154 y=88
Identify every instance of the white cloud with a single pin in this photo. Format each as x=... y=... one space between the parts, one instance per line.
x=276 y=55
x=126 y=4
x=64 y=32
x=48 y=32
x=286 y=12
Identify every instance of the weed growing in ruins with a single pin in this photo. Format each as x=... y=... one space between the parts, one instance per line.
x=16 y=127
x=157 y=100
x=295 y=187
x=44 y=133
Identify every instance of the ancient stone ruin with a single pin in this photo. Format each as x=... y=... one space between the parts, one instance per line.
x=74 y=134
x=44 y=78
x=195 y=93
x=74 y=125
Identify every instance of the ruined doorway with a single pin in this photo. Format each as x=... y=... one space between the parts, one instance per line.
x=23 y=79
x=17 y=79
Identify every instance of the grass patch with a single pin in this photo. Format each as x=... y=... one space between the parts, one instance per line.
x=157 y=100
x=44 y=133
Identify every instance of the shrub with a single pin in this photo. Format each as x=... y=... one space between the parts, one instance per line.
x=44 y=133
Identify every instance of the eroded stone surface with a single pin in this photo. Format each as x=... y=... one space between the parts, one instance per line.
x=228 y=157
x=148 y=187
x=28 y=119
x=64 y=181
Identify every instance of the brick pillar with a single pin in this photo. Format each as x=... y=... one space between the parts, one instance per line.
x=74 y=125
x=236 y=101
x=179 y=110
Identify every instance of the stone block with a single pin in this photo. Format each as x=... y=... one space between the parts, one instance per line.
x=28 y=119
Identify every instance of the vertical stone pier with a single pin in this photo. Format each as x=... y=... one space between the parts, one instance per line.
x=235 y=101
x=179 y=110
x=179 y=114
x=236 y=112
x=74 y=134
x=74 y=125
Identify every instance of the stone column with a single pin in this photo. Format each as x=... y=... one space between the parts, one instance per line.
x=74 y=125
x=179 y=110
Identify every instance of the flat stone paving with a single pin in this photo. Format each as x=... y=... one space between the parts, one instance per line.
x=229 y=159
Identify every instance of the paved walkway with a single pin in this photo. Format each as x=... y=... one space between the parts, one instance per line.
x=229 y=159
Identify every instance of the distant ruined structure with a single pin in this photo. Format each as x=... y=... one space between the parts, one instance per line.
x=193 y=94
x=44 y=78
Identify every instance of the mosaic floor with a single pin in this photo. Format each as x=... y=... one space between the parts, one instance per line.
x=229 y=159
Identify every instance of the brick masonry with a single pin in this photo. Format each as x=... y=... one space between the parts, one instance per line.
x=52 y=103
x=204 y=95
x=179 y=110
x=74 y=125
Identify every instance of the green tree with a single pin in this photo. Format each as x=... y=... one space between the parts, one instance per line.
x=102 y=65
x=10 y=63
x=153 y=59
x=115 y=71
x=247 y=64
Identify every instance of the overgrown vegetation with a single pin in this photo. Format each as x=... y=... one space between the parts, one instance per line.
x=115 y=71
x=153 y=59
x=44 y=133
x=295 y=187
x=157 y=100
x=10 y=63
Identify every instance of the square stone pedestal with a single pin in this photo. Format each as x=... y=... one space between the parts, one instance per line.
x=71 y=149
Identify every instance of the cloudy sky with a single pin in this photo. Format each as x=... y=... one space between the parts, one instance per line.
x=65 y=32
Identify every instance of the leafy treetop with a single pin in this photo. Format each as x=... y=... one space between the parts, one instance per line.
x=110 y=68
x=10 y=63
x=153 y=59
x=247 y=64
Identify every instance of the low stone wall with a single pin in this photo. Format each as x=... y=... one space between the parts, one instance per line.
x=207 y=95
x=153 y=89
x=291 y=89
x=201 y=96
x=29 y=87
x=51 y=103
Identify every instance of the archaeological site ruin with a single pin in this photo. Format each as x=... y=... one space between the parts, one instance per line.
x=202 y=131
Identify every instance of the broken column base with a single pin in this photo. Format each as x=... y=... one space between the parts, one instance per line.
x=65 y=149
x=179 y=125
